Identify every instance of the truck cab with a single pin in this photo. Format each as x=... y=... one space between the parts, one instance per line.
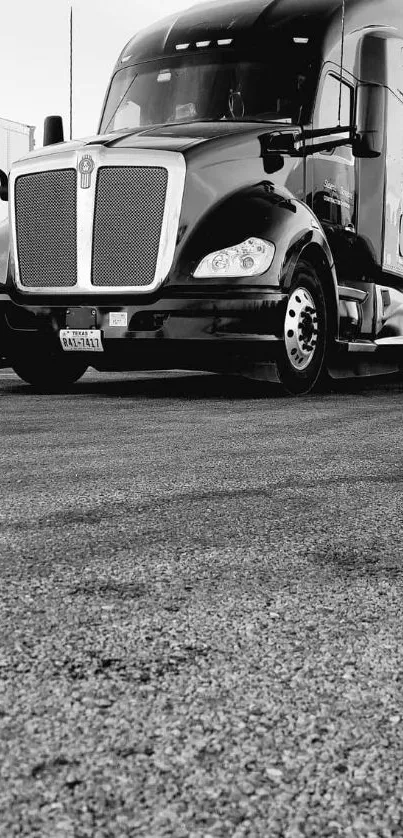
x=240 y=208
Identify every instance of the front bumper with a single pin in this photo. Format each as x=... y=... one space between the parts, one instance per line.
x=188 y=331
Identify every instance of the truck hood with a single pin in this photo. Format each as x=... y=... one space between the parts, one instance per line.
x=174 y=137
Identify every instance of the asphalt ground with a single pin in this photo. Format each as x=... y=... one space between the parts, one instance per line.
x=201 y=622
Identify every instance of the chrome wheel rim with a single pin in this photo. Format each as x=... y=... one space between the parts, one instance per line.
x=301 y=329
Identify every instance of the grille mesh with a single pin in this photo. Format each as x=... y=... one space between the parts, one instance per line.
x=45 y=208
x=129 y=209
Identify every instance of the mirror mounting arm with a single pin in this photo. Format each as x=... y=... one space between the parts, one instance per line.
x=306 y=141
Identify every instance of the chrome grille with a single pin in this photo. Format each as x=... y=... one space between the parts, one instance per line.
x=46 y=226
x=129 y=209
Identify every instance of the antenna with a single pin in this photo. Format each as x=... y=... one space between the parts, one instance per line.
x=71 y=72
x=343 y=26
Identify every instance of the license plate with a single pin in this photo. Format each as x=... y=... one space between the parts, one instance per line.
x=81 y=340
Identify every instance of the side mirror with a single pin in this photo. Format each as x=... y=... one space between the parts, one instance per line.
x=3 y=186
x=53 y=130
x=370 y=121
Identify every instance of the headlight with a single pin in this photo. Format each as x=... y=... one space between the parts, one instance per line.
x=251 y=258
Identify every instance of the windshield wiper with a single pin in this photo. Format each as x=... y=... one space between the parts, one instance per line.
x=152 y=126
x=282 y=121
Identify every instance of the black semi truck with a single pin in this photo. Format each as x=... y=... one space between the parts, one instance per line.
x=239 y=210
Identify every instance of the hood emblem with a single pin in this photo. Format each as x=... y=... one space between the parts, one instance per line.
x=86 y=166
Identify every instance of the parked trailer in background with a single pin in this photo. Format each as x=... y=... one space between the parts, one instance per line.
x=16 y=140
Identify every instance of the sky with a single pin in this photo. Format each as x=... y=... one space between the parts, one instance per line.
x=34 y=56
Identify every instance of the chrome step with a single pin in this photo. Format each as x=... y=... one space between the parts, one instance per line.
x=357 y=345
x=396 y=340
x=351 y=294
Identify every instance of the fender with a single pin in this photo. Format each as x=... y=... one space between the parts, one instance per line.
x=270 y=212
x=317 y=252
x=4 y=246
x=4 y=298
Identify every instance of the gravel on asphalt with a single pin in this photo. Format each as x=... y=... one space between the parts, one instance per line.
x=200 y=610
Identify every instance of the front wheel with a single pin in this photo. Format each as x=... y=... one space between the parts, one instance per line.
x=301 y=366
x=48 y=371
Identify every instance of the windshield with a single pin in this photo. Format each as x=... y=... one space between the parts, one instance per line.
x=191 y=88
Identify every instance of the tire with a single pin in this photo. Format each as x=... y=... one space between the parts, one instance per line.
x=46 y=370
x=302 y=364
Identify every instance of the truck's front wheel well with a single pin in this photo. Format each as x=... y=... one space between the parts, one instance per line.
x=316 y=257
x=301 y=364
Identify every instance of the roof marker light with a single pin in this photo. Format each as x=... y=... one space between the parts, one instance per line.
x=203 y=43
x=182 y=46
x=301 y=40
x=225 y=42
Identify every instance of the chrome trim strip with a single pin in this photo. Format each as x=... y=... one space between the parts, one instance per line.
x=69 y=158
x=85 y=221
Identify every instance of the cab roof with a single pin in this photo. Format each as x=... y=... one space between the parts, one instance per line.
x=245 y=20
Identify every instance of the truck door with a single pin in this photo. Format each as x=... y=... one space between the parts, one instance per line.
x=392 y=261
x=333 y=170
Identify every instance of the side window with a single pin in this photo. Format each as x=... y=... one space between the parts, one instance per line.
x=328 y=113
